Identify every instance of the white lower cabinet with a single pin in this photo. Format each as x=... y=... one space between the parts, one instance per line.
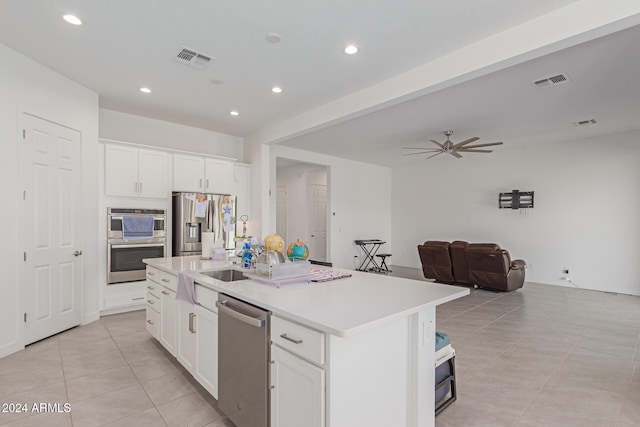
x=153 y=322
x=187 y=337
x=168 y=320
x=207 y=349
x=297 y=391
x=298 y=374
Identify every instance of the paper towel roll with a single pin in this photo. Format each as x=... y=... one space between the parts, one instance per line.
x=207 y=244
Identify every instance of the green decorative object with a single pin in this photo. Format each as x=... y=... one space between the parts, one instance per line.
x=297 y=251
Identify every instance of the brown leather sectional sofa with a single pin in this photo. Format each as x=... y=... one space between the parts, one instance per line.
x=485 y=265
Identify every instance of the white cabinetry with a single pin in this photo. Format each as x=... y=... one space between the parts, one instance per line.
x=218 y=177
x=242 y=190
x=168 y=312
x=207 y=349
x=297 y=393
x=188 y=173
x=187 y=328
x=197 y=334
x=297 y=385
x=200 y=174
x=153 y=304
x=135 y=172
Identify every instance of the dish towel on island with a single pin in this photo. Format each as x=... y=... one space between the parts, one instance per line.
x=137 y=227
x=185 y=291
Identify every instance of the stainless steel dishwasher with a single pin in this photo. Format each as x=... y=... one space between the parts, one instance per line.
x=243 y=362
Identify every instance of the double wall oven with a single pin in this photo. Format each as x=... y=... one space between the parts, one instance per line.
x=124 y=257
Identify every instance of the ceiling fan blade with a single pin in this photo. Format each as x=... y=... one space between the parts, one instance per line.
x=419 y=148
x=483 y=145
x=470 y=150
x=422 y=152
x=437 y=154
x=465 y=142
x=455 y=154
x=437 y=143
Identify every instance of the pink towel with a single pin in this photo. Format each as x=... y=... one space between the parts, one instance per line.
x=185 y=291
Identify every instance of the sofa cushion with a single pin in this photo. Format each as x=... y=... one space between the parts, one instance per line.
x=459 y=261
x=436 y=261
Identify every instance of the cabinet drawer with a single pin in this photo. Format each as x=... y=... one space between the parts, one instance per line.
x=206 y=298
x=153 y=302
x=169 y=281
x=153 y=322
x=153 y=288
x=153 y=274
x=305 y=342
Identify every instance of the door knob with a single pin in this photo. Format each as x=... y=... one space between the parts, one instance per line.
x=77 y=253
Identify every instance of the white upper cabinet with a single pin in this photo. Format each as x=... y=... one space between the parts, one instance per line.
x=188 y=173
x=242 y=189
x=135 y=172
x=152 y=174
x=219 y=176
x=200 y=174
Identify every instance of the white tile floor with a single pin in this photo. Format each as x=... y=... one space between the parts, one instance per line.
x=112 y=372
x=540 y=356
x=543 y=356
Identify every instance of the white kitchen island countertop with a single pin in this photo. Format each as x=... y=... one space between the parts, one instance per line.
x=340 y=307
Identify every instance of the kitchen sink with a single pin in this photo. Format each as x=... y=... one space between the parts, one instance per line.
x=225 y=275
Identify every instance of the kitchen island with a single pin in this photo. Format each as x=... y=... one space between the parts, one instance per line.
x=355 y=351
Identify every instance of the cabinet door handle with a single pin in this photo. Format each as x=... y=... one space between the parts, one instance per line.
x=150 y=322
x=191 y=316
x=288 y=338
x=150 y=302
x=150 y=288
x=165 y=292
x=200 y=185
x=140 y=187
x=207 y=183
x=165 y=280
x=150 y=273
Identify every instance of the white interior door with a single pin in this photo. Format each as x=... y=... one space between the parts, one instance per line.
x=281 y=213
x=318 y=222
x=51 y=228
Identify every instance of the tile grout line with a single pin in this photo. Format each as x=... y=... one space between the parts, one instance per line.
x=137 y=379
x=558 y=367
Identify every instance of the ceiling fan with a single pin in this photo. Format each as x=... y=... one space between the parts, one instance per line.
x=451 y=148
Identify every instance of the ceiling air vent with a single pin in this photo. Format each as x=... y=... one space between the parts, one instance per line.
x=552 y=81
x=585 y=122
x=193 y=59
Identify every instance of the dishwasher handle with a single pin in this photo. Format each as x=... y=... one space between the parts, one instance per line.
x=258 y=323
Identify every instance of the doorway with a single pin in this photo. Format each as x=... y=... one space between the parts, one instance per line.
x=302 y=213
x=51 y=228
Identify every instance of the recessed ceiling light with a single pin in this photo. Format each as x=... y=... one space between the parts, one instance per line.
x=234 y=113
x=72 y=19
x=351 y=49
x=276 y=89
x=273 y=38
x=145 y=90
x=216 y=81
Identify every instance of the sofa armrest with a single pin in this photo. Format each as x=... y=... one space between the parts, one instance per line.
x=518 y=264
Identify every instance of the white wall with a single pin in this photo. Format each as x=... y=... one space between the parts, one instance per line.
x=143 y=130
x=587 y=206
x=29 y=87
x=359 y=201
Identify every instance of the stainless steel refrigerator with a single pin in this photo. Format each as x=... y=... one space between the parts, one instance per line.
x=194 y=213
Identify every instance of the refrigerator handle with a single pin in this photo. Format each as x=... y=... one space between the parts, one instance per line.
x=209 y=215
